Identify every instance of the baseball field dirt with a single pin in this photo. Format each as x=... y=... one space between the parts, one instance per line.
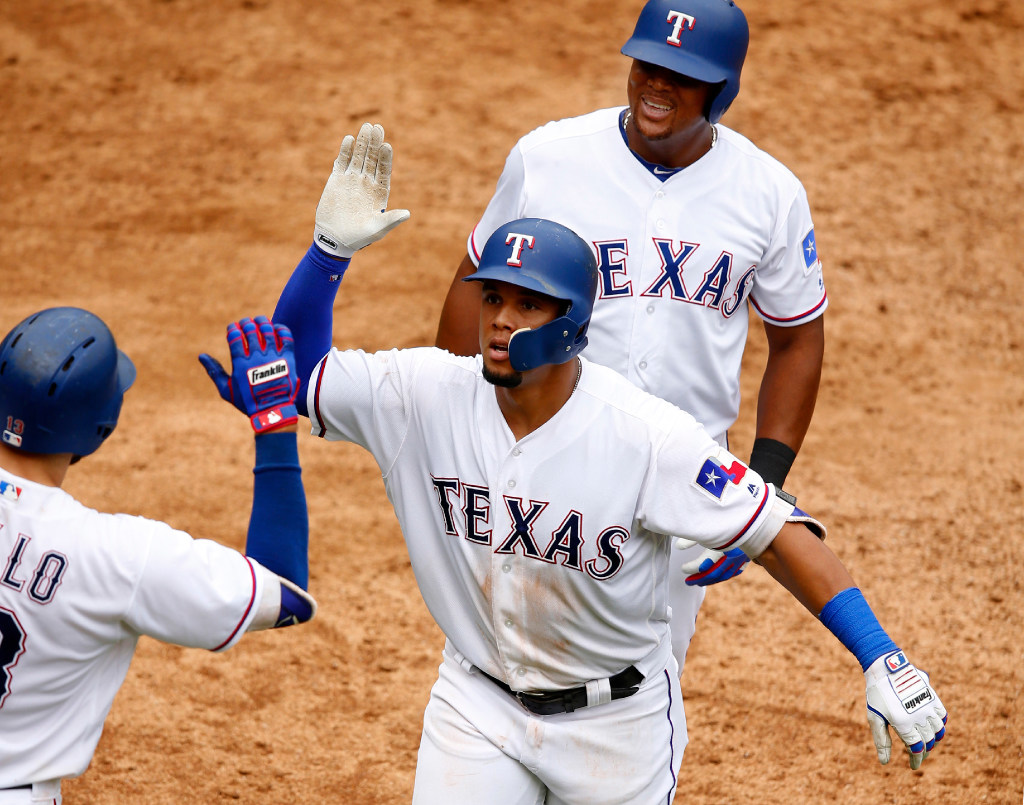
x=160 y=164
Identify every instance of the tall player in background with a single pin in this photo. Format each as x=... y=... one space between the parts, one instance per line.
x=690 y=223
x=79 y=587
x=536 y=492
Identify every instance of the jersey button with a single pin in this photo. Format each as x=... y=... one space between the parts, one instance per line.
x=511 y=484
x=506 y=568
x=508 y=622
x=521 y=671
x=643 y=364
x=650 y=308
x=516 y=451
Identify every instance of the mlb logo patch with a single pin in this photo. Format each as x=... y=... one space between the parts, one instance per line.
x=9 y=491
x=895 y=661
x=12 y=438
x=713 y=477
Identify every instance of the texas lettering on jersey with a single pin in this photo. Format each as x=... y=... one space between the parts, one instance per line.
x=681 y=277
x=564 y=545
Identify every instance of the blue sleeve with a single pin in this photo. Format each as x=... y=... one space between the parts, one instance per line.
x=306 y=306
x=278 y=535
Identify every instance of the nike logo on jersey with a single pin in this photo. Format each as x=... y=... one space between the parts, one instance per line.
x=657 y=170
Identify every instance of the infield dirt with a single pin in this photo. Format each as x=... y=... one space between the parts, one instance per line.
x=161 y=164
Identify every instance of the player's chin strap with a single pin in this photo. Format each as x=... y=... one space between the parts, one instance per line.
x=281 y=603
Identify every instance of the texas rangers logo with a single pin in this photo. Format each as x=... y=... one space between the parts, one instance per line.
x=680 y=22
x=517 y=241
x=713 y=476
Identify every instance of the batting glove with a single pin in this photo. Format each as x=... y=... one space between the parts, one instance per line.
x=710 y=566
x=351 y=214
x=900 y=696
x=263 y=382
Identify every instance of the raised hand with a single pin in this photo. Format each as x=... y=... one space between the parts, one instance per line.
x=351 y=213
x=263 y=383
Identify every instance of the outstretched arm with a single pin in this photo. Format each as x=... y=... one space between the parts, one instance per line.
x=350 y=215
x=898 y=694
x=785 y=404
x=263 y=384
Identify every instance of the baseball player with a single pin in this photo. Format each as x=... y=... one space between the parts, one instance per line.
x=78 y=587
x=535 y=491
x=691 y=223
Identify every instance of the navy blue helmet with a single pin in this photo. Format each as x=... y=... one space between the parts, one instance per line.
x=62 y=380
x=703 y=39
x=550 y=259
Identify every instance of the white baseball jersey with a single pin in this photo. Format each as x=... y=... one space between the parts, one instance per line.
x=680 y=252
x=542 y=560
x=77 y=589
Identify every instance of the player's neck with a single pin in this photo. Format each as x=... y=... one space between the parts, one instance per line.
x=541 y=395
x=680 y=150
x=48 y=470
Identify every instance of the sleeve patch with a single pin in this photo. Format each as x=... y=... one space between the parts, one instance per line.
x=810 y=251
x=713 y=476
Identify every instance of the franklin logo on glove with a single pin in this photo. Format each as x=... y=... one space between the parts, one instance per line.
x=261 y=374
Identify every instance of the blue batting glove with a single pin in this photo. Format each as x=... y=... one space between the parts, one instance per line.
x=712 y=567
x=263 y=383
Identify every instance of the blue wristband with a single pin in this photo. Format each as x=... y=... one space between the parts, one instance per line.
x=850 y=619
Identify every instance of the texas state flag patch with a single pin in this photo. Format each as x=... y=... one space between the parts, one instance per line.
x=713 y=477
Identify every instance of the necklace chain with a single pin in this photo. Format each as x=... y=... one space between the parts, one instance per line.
x=579 y=371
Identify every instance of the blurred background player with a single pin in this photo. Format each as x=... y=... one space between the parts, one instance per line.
x=541 y=551
x=691 y=223
x=79 y=587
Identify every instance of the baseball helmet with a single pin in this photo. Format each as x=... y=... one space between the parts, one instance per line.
x=702 y=39
x=550 y=259
x=62 y=380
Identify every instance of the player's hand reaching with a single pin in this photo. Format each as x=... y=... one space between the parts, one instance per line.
x=351 y=213
x=263 y=382
x=900 y=696
x=710 y=566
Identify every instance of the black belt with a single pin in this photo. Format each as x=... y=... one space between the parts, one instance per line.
x=623 y=684
x=17 y=787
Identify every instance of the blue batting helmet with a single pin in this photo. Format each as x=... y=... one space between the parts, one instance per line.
x=62 y=380
x=550 y=259
x=703 y=39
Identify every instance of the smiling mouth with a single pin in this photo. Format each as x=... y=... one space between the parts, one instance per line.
x=655 y=109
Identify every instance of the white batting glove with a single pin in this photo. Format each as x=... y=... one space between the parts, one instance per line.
x=351 y=213
x=900 y=696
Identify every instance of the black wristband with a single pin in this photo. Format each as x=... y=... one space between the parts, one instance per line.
x=772 y=460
